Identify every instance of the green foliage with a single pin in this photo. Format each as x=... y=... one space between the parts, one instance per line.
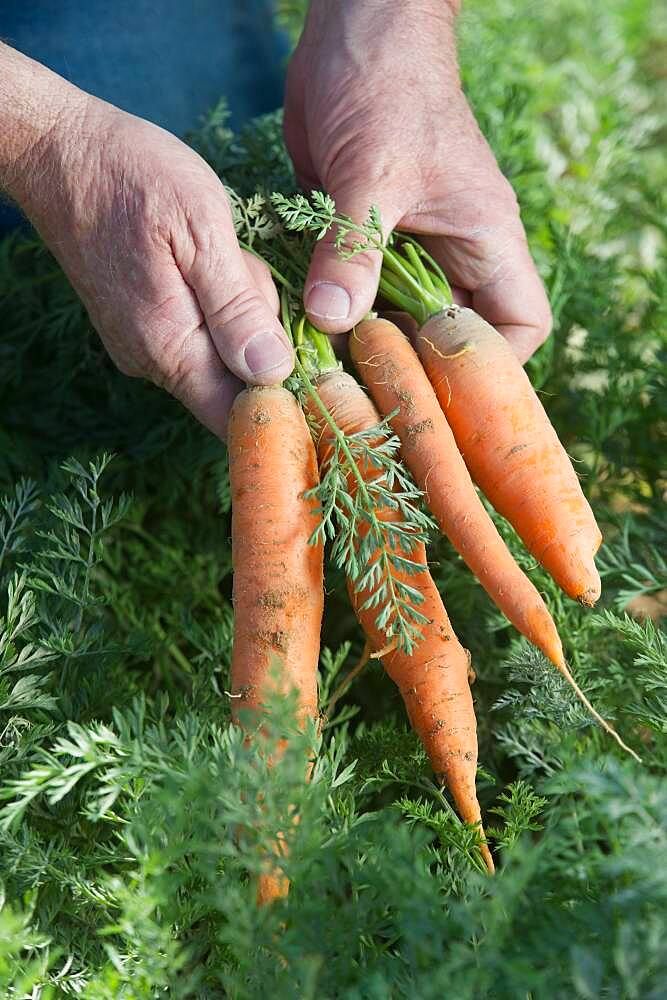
x=135 y=820
x=375 y=553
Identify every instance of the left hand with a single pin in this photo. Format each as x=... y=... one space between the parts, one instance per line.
x=375 y=114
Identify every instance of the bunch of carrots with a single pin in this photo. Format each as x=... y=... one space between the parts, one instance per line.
x=319 y=460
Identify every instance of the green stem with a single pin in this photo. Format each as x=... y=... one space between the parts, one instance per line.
x=431 y=262
x=325 y=353
x=399 y=298
x=274 y=271
x=392 y=261
x=418 y=265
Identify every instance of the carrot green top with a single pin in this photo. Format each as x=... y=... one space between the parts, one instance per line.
x=410 y=277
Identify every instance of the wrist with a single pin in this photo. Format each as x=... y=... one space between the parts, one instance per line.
x=322 y=12
x=364 y=29
x=37 y=109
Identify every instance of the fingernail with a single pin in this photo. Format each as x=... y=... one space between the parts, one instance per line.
x=264 y=352
x=328 y=301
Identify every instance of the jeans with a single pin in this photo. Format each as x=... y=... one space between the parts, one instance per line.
x=165 y=60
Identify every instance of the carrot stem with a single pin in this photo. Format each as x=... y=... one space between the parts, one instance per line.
x=399 y=298
x=274 y=271
x=418 y=264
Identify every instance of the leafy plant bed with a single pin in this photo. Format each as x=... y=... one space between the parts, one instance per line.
x=124 y=786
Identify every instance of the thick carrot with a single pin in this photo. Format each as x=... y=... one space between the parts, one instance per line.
x=278 y=576
x=510 y=447
x=391 y=369
x=433 y=680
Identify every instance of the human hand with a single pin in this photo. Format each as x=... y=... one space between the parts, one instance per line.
x=375 y=114
x=142 y=228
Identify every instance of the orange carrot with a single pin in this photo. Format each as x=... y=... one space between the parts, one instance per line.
x=510 y=447
x=433 y=680
x=396 y=379
x=278 y=575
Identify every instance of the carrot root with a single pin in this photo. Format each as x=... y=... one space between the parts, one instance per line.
x=433 y=680
x=398 y=383
x=510 y=447
x=278 y=576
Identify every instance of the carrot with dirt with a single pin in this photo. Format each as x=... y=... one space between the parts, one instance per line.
x=278 y=591
x=394 y=375
x=510 y=447
x=499 y=425
x=399 y=385
x=498 y=422
x=430 y=669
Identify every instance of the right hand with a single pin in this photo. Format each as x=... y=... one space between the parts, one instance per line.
x=142 y=228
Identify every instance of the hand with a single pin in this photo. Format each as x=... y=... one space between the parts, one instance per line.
x=142 y=227
x=375 y=114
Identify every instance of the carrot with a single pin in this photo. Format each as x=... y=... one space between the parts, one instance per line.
x=499 y=425
x=510 y=447
x=433 y=679
x=396 y=379
x=278 y=576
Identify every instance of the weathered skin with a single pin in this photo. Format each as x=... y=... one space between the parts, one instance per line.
x=511 y=449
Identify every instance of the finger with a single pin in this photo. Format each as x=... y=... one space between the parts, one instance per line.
x=261 y=275
x=498 y=279
x=241 y=321
x=202 y=383
x=163 y=337
x=296 y=138
x=516 y=304
x=338 y=293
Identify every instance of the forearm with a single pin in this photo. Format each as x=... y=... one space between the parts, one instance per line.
x=34 y=104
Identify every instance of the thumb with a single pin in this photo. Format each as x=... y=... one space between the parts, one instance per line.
x=240 y=319
x=338 y=293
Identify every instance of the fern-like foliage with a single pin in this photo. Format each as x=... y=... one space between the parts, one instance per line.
x=375 y=551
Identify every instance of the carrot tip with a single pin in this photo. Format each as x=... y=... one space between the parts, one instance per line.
x=589 y=597
x=270 y=888
x=488 y=859
x=607 y=726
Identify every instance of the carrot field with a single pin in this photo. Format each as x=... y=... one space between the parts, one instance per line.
x=134 y=818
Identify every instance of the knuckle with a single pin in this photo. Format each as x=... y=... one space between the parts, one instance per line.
x=241 y=305
x=171 y=371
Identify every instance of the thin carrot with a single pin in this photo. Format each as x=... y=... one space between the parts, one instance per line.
x=510 y=447
x=278 y=576
x=433 y=680
x=396 y=379
x=398 y=383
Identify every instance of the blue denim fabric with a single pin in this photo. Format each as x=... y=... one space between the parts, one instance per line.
x=168 y=61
